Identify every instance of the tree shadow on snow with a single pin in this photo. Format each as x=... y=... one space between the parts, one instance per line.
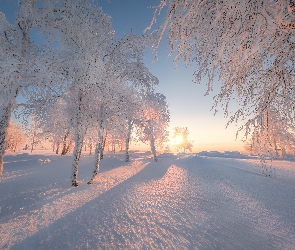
x=90 y=225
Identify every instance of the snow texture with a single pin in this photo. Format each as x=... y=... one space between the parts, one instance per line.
x=180 y=202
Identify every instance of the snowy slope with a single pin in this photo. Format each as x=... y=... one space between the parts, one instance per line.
x=179 y=202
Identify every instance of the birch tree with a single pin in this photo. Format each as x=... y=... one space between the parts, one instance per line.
x=248 y=45
x=86 y=48
x=55 y=123
x=23 y=64
x=16 y=138
x=180 y=136
x=34 y=133
x=273 y=135
x=154 y=121
x=132 y=118
x=123 y=66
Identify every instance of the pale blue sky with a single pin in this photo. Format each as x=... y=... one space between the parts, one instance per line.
x=188 y=105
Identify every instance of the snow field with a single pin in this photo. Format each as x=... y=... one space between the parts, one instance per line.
x=179 y=202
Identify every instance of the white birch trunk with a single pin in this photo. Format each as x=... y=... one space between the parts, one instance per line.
x=79 y=137
x=104 y=142
x=4 y=122
x=153 y=148
x=90 y=148
x=5 y=112
x=77 y=155
x=98 y=149
x=64 y=149
x=128 y=141
x=53 y=146
x=57 y=147
x=103 y=139
x=97 y=156
x=152 y=142
x=33 y=142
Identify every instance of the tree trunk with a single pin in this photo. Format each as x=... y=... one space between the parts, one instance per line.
x=102 y=147
x=152 y=142
x=80 y=132
x=153 y=148
x=98 y=148
x=127 y=149
x=68 y=147
x=57 y=148
x=77 y=155
x=104 y=138
x=276 y=148
x=33 y=142
x=5 y=112
x=4 y=122
x=90 y=148
x=283 y=152
x=128 y=141
x=64 y=149
x=97 y=156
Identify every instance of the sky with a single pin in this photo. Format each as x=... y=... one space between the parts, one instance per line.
x=187 y=103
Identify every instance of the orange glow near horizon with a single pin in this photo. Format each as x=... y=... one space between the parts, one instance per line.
x=178 y=139
x=197 y=147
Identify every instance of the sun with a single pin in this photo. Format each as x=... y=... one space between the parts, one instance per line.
x=178 y=139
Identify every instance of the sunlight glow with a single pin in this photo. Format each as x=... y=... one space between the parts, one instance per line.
x=178 y=139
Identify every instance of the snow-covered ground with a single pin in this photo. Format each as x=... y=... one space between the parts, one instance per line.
x=179 y=202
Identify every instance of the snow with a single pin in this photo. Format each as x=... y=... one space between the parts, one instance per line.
x=180 y=202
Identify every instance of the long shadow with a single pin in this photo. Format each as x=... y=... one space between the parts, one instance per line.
x=32 y=180
x=265 y=199
x=26 y=179
x=26 y=161
x=29 y=193
x=71 y=231
x=276 y=192
x=135 y=214
x=142 y=212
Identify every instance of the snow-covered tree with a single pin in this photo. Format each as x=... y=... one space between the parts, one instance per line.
x=34 y=133
x=130 y=115
x=123 y=66
x=111 y=111
x=16 y=138
x=90 y=139
x=154 y=121
x=97 y=66
x=249 y=45
x=23 y=64
x=85 y=48
x=57 y=126
x=73 y=82
x=273 y=136
x=181 y=140
x=167 y=149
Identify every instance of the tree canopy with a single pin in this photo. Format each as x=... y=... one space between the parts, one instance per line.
x=82 y=83
x=247 y=45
